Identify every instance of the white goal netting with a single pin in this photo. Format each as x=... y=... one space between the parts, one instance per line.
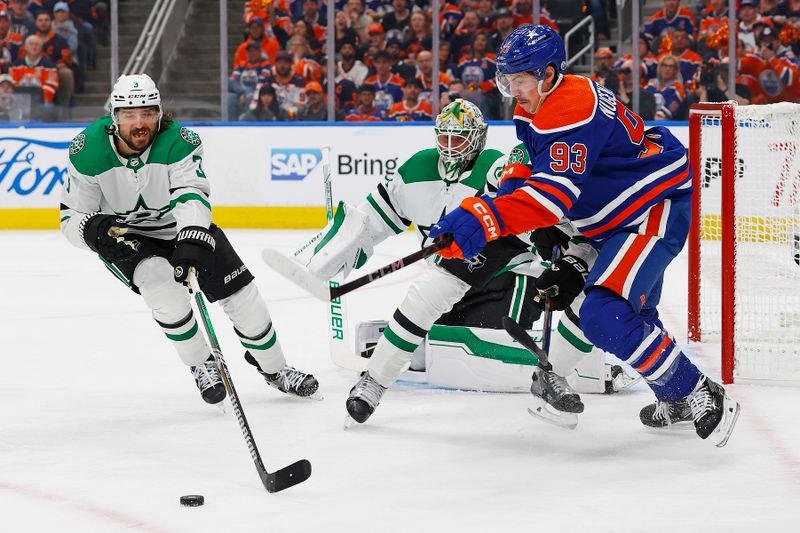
x=767 y=215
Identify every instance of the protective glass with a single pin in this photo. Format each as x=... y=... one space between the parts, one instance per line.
x=517 y=83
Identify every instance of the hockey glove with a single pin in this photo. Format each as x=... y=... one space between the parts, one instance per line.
x=546 y=238
x=472 y=225
x=514 y=176
x=194 y=247
x=567 y=276
x=103 y=234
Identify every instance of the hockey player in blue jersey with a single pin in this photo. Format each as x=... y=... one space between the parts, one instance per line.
x=628 y=191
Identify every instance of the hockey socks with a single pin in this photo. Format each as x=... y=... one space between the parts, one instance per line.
x=264 y=347
x=611 y=324
x=187 y=340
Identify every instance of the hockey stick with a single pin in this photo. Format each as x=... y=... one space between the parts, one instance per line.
x=394 y=266
x=330 y=291
x=287 y=476
x=519 y=334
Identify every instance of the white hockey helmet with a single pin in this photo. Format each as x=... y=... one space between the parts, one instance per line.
x=134 y=90
x=460 y=131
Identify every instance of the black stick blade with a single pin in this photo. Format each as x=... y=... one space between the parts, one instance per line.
x=288 y=476
x=519 y=334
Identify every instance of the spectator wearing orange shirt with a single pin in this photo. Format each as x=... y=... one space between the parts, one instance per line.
x=425 y=76
x=269 y=43
x=57 y=49
x=689 y=60
x=289 y=87
x=305 y=65
x=246 y=78
x=36 y=70
x=411 y=108
x=769 y=77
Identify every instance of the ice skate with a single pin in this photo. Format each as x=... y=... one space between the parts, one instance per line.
x=289 y=380
x=675 y=415
x=554 y=400
x=617 y=379
x=363 y=400
x=208 y=380
x=713 y=412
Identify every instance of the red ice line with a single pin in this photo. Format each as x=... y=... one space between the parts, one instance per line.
x=88 y=508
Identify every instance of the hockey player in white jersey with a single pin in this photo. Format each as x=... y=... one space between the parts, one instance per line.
x=482 y=291
x=138 y=174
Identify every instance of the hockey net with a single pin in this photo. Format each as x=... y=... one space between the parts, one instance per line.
x=744 y=247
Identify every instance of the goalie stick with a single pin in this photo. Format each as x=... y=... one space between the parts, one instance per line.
x=331 y=291
x=279 y=480
x=338 y=322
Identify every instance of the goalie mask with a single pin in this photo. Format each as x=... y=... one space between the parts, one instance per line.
x=460 y=133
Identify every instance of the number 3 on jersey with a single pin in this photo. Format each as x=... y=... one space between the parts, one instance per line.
x=568 y=157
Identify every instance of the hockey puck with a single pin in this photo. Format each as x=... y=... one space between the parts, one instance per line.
x=192 y=500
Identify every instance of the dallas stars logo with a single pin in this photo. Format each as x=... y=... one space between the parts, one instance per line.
x=190 y=137
x=77 y=144
x=141 y=212
x=517 y=155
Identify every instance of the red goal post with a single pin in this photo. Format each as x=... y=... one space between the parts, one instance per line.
x=744 y=244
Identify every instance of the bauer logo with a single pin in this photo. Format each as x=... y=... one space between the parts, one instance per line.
x=294 y=163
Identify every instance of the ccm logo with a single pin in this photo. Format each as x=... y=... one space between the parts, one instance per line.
x=487 y=218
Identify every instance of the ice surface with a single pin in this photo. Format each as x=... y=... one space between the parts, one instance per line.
x=102 y=428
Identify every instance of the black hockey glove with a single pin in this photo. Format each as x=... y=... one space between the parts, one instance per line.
x=194 y=247
x=567 y=276
x=546 y=238
x=111 y=245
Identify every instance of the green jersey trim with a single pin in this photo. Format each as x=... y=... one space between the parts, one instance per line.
x=188 y=197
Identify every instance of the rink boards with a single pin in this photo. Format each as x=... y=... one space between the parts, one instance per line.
x=262 y=175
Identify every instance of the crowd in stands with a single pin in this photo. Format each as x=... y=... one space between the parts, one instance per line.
x=384 y=63
x=47 y=47
x=684 y=51
x=384 y=60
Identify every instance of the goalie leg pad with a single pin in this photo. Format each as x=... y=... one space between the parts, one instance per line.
x=428 y=298
x=171 y=307
x=248 y=312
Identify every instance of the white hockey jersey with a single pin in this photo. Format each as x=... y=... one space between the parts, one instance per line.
x=158 y=192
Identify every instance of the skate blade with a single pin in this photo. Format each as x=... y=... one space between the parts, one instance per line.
x=541 y=409
x=221 y=407
x=626 y=383
x=722 y=433
x=349 y=422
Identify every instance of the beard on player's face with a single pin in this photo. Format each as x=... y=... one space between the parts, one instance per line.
x=137 y=127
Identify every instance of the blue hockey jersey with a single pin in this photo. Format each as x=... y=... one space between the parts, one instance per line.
x=592 y=161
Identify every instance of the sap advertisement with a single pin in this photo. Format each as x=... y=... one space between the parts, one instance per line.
x=247 y=165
